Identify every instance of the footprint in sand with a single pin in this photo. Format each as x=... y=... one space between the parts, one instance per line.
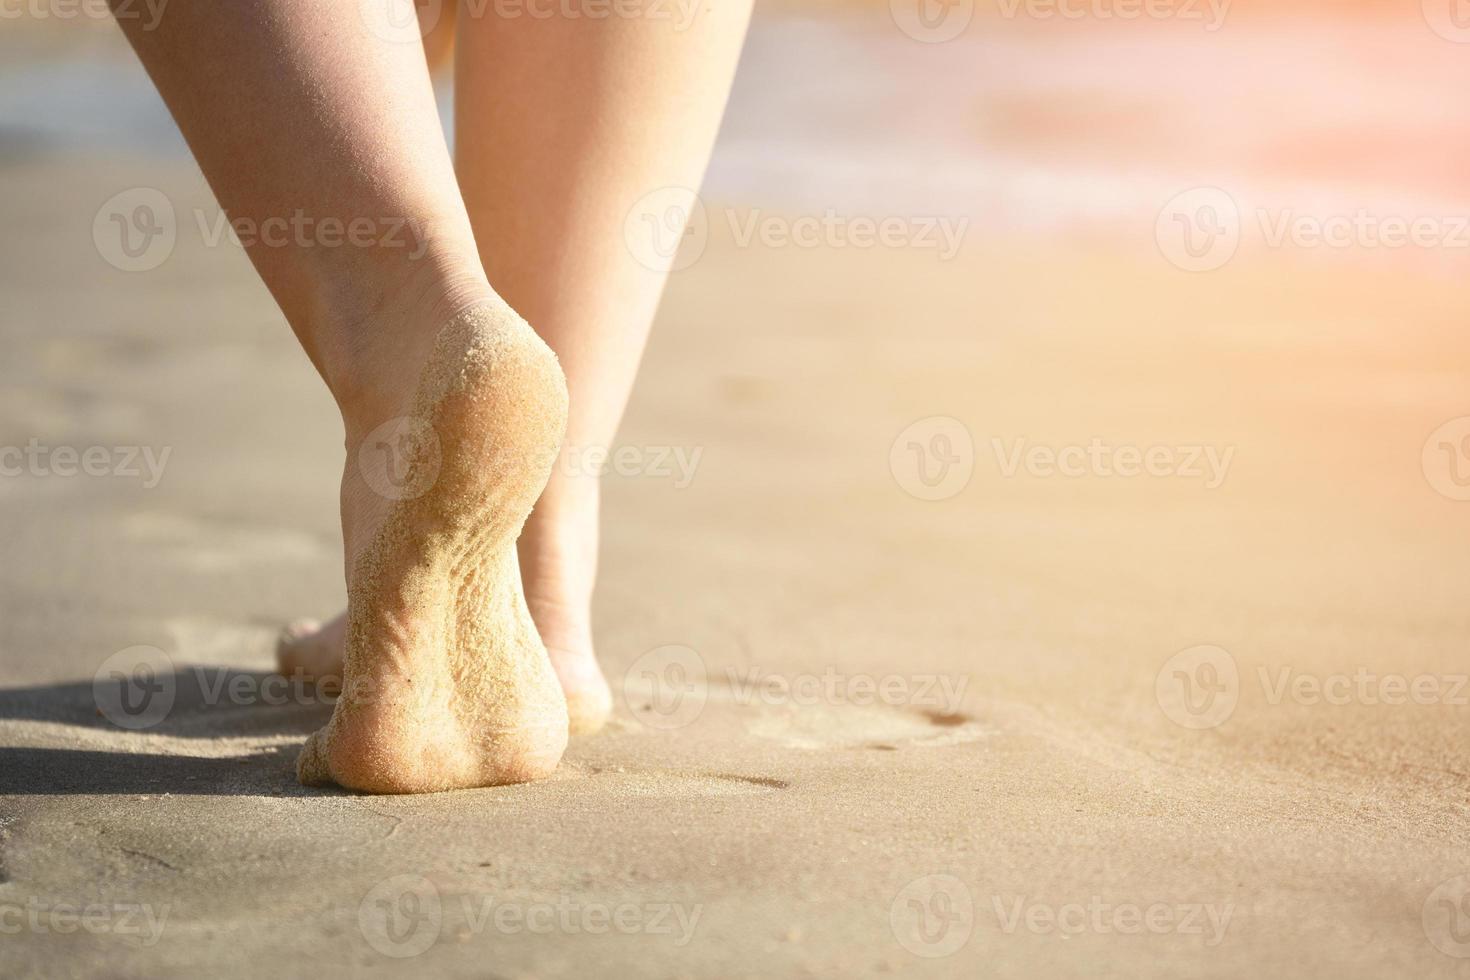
x=880 y=727
x=680 y=699
x=663 y=783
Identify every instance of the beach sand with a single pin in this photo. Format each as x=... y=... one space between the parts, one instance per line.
x=975 y=758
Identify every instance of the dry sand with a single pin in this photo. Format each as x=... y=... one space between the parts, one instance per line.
x=734 y=832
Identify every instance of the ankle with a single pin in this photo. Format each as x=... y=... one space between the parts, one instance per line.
x=558 y=551
x=373 y=338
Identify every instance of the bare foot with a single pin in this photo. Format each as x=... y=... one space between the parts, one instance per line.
x=445 y=681
x=558 y=559
x=558 y=551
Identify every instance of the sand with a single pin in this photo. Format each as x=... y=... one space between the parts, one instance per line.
x=1028 y=800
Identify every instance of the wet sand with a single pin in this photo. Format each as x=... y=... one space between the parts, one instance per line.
x=997 y=742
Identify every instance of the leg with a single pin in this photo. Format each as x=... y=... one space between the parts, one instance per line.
x=437 y=27
x=549 y=177
x=562 y=124
x=309 y=125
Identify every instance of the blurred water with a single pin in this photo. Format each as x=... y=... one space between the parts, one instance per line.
x=78 y=103
x=1015 y=129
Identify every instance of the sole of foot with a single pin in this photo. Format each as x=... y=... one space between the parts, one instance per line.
x=445 y=683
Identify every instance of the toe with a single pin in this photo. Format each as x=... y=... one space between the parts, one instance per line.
x=293 y=639
x=588 y=708
x=311 y=765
